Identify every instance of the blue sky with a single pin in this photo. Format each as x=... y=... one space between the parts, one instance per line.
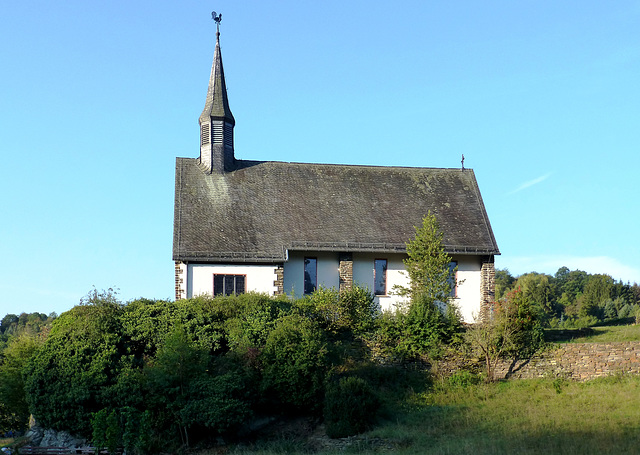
x=98 y=99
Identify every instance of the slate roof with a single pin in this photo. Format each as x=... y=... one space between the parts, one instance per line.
x=217 y=103
x=257 y=212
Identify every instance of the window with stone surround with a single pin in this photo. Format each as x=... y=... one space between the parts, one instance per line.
x=380 y=277
x=310 y=275
x=229 y=284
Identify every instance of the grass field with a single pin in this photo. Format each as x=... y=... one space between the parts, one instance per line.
x=603 y=334
x=524 y=417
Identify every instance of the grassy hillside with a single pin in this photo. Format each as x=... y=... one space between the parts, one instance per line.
x=600 y=334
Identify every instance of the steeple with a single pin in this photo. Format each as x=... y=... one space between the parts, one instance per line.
x=216 y=120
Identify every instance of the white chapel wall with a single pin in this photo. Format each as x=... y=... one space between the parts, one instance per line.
x=260 y=278
x=294 y=271
x=468 y=293
x=363 y=276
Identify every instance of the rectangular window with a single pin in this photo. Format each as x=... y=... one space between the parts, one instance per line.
x=380 y=277
x=310 y=275
x=453 y=279
x=228 y=284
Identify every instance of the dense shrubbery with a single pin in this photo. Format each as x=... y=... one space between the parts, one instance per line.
x=108 y=370
x=352 y=310
x=121 y=373
x=294 y=363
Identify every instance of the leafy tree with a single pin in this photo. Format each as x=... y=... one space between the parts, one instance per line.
x=72 y=374
x=219 y=403
x=504 y=282
x=569 y=286
x=431 y=318
x=539 y=291
x=428 y=265
x=177 y=363
x=8 y=321
x=596 y=293
x=14 y=411
x=510 y=330
x=99 y=429
x=31 y=323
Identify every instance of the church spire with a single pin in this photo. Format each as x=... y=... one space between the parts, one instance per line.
x=216 y=120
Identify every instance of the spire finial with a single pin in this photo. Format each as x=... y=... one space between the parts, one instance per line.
x=217 y=18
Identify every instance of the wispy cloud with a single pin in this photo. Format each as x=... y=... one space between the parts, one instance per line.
x=551 y=264
x=535 y=181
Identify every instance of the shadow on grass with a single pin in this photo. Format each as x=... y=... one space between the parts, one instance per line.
x=566 y=335
x=622 y=329
x=448 y=430
x=548 y=443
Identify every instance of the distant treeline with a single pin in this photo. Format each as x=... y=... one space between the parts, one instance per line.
x=573 y=298
x=28 y=323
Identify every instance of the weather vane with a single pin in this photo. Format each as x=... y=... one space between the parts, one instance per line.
x=217 y=18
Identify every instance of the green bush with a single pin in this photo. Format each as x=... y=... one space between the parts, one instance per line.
x=463 y=379
x=255 y=318
x=99 y=428
x=14 y=410
x=350 y=407
x=350 y=309
x=585 y=321
x=426 y=327
x=81 y=359
x=219 y=403
x=422 y=330
x=294 y=362
x=359 y=310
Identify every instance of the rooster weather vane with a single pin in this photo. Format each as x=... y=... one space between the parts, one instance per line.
x=217 y=18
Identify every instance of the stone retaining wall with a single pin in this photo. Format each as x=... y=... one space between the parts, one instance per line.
x=577 y=361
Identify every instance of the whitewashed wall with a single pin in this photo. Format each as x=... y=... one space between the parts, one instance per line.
x=469 y=292
x=328 y=276
x=363 y=276
x=260 y=278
